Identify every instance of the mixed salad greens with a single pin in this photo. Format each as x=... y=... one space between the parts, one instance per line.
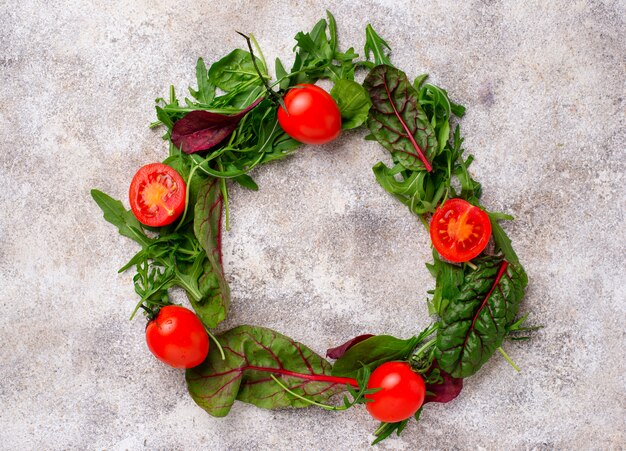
x=237 y=118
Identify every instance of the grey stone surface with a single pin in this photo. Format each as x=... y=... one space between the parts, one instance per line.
x=320 y=253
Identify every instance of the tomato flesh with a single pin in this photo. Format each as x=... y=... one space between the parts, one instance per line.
x=157 y=195
x=459 y=230
x=177 y=337
x=311 y=115
x=401 y=394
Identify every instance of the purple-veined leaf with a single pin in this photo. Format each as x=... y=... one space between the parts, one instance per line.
x=396 y=119
x=200 y=130
x=253 y=355
x=212 y=308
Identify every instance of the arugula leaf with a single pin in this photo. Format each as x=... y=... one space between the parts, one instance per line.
x=377 y=46
x=353 y=102
x=206 y=90
x=253 y=354
x=124 y=220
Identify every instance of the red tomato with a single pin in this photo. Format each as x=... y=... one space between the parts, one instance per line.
x=312 y=116
x=157 y=195
x=177 y=337
x=459 y=230
x=401 y=393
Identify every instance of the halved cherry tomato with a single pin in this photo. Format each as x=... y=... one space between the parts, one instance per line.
x=177 y=337
x=312 y=116
x=157 y=195
x=401 y=394
x=459 y=230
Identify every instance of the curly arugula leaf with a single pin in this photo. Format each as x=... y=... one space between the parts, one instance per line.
x=253 y=355
x=353 y=103
x=206 y=89
x=397 y=120
x=474 y=322
x=212 y=307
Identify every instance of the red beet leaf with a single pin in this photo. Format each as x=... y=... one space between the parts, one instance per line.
x=201 y=130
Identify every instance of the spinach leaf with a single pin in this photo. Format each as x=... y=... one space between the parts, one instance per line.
x=503 y=242
x=372 y=353
x=253 y=354
x=449 y=278
x=474 y=322
x=353 y=102
x=397 y=120
x=236 y=70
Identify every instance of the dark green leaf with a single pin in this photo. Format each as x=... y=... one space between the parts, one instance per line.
x=449 y=278
x=474 y=322
x=281 y=74
x=247 y=182
x=372 y=353
x=353 y=103
x=397 y=120
x=253 y=354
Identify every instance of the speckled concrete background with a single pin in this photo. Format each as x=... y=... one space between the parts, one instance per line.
x=320 y=253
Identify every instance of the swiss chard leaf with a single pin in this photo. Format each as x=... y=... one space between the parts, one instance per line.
x=212 y=307
x=202 y=130
x=474 y=322
x=372 y=353
x=253 y=355
x=353 y=103
x=397 y=120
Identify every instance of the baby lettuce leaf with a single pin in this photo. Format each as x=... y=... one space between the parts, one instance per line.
x=212 y=307
x=397 y=120
x=372 y=353
x=202 y=130
x=474 y=322
x=353 y=103
x=253 y=355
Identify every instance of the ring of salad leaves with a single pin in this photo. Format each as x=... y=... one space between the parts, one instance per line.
x=233 y=113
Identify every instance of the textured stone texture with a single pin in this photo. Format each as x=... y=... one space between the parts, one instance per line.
x=320 y=253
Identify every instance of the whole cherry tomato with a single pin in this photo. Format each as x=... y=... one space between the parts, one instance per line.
x=157 y=195
x=459 y=230
x=177 y=337
x=311 y=115
x=401 y=394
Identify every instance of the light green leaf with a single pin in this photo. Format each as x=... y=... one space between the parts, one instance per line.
x=353 y=101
